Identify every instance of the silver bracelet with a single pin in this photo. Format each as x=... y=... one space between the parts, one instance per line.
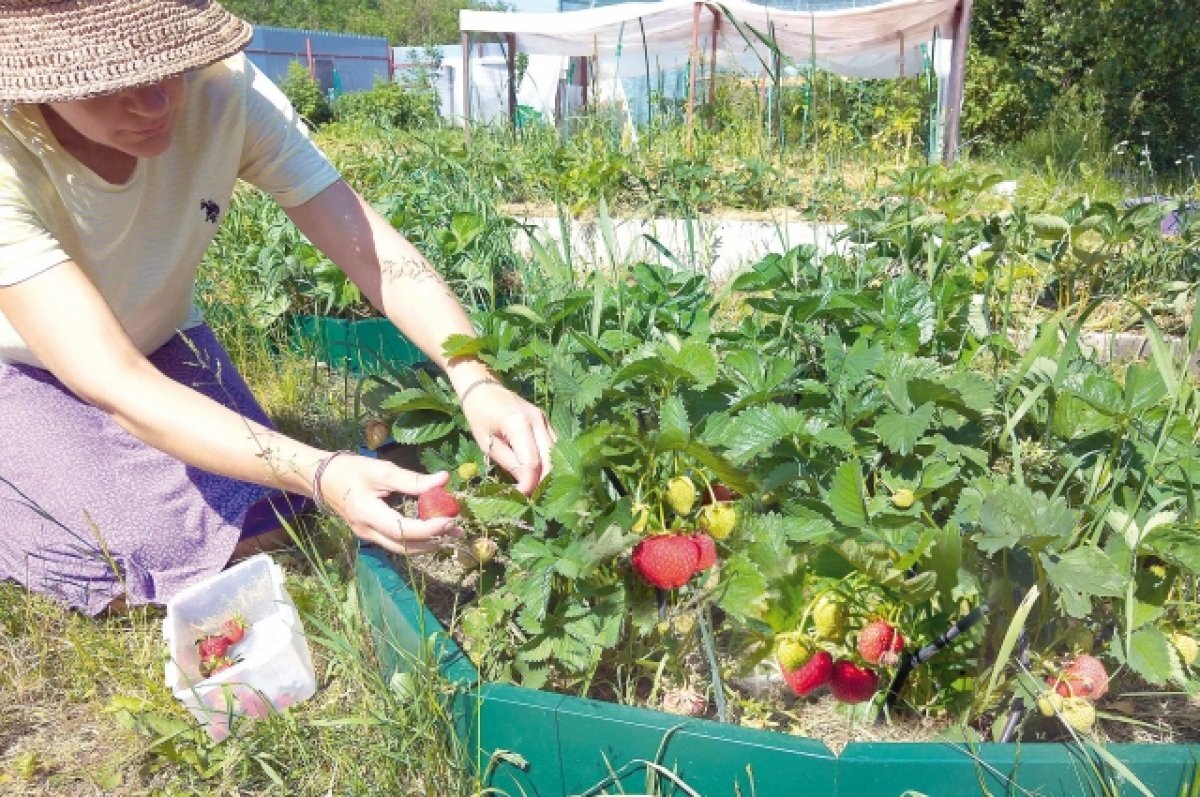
x=318 y=501
x=486 y=380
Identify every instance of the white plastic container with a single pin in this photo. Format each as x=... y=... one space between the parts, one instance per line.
x=273 y=668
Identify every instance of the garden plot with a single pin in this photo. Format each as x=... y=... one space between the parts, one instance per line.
x=716 y=246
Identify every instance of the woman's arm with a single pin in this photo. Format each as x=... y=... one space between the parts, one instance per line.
x=67 y=324
x=402 y=284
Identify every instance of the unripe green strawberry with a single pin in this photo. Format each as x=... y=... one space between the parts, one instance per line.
x=1079 y=713
x=718 y=519
x=1050 y=703
x=468 y=470
x=829 y=618
x=791 y=651
x=478 y=551
x=903 y=498
x=1187 y=646
x=641 y=518
x=683 y=624
x=681 y=494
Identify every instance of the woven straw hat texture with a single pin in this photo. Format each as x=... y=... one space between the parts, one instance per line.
x=60 y=50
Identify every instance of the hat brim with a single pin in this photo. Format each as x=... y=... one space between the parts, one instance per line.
x=63 y=50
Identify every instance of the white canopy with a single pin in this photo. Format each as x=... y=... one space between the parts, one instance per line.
x=876 y=41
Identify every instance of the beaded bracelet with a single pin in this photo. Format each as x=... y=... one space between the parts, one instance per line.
x=487 y=380
x=318 y=501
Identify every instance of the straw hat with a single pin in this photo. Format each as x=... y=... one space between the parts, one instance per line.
x=59 y=50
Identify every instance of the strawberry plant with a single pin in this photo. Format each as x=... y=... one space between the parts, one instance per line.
x=870 y=459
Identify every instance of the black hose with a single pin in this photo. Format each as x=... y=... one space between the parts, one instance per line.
x=910 y=660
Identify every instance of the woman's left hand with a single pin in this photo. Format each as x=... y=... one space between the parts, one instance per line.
x=511 y=431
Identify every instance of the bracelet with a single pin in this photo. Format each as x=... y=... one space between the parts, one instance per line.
x=318 y=501
x=486 y=380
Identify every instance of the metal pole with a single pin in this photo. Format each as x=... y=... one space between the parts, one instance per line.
x=511 y=40
x=466 y=82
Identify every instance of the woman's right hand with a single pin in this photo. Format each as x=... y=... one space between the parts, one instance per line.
x=356 y=488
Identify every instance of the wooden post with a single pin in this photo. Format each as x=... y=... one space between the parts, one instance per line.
x=466 y=81
x=511 y=42
x=691 y=100
x=712 y=61
x=312 y=68
x=961 y=25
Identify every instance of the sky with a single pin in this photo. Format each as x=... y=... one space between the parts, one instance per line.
x=533 y=5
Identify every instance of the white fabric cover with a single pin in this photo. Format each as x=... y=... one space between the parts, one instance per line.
x=880 y=41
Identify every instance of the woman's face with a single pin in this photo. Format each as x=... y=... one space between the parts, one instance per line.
x=137 y=122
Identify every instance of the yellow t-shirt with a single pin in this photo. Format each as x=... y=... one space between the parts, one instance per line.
x=141 y=242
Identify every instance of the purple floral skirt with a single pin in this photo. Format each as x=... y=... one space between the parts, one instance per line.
x=88 y=512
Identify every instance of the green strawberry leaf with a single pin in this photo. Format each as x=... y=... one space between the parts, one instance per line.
x=845 y=496
x=901 y=431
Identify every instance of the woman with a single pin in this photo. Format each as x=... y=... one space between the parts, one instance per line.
x=135 y=459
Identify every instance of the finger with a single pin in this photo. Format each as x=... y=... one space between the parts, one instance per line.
x=410 y=548
x=545 y=438
x=498 y=451
x=410 y=482
x=523 y=444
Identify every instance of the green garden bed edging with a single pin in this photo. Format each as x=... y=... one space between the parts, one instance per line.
x=571 y=745
x=363 y=346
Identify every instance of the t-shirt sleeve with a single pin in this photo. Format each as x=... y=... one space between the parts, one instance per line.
x=278 y=156
x=26 y=247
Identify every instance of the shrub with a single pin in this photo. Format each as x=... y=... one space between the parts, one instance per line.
x=388 y=105
x=305 y=94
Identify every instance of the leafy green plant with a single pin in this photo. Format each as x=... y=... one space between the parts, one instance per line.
x=304 y=92
x=388 y=104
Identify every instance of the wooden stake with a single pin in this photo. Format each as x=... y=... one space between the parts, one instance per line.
x=961 y=25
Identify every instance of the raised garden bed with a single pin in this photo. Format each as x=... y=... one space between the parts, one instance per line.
x=362 y=346
x=526 y=741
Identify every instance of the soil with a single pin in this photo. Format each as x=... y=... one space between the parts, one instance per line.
x=1132 y=712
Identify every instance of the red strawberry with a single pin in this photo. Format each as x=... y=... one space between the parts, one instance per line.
x=850 y=683
x=233 y=630
x=811 y=675
x=666 y=561
x=212 y=647
x=436 y=502
x=1084 y=677
x=717 y=492
x=707 y=549
x=880 y=643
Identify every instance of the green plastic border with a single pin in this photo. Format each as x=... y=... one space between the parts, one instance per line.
x=363 y=346
x=570 y=745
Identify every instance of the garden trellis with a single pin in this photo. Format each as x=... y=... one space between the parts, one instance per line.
x=627 y=40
